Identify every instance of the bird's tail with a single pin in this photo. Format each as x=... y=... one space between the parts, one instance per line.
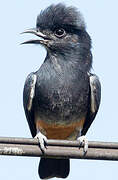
x=49 y=168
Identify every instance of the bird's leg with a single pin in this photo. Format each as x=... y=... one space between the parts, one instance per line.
x=83 y=140
x=42 y=140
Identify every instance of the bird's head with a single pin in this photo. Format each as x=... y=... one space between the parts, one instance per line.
x=60 y=29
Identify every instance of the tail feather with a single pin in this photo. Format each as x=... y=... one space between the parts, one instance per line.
x=49 y=168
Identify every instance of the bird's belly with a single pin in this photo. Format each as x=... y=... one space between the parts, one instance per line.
x=60 y=131
x=61 y=108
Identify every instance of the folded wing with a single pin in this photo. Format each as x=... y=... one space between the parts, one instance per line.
x=94 y=101
x=28 y=101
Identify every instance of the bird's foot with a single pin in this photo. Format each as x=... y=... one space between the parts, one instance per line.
x=83 y=141
x=42 y=140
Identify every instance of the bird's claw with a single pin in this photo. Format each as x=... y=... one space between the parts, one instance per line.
x=83 y=140
x=42 y=139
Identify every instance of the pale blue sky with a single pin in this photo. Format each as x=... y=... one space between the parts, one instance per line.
x=17 y=61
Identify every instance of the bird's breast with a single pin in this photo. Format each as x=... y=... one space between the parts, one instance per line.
x=61 y=100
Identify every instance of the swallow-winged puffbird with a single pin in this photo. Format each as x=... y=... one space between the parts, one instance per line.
x=62 y=98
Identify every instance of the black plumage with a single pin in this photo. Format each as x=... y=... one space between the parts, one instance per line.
x=62 y=98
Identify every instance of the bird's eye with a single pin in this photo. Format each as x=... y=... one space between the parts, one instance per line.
x=60 y=33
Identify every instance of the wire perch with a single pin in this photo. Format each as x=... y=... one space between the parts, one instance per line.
x=58 y=149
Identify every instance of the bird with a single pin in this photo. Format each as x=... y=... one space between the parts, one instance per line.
x=62 y=98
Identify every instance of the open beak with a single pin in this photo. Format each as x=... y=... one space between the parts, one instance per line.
x=44 y=39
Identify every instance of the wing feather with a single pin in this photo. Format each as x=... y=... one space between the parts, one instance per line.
x=94 y=101
x=28 y=101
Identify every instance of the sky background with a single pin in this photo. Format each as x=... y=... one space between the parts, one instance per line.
x=16 y=62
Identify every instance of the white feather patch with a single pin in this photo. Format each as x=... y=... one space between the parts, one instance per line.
x=32 y=92
x=93 y=89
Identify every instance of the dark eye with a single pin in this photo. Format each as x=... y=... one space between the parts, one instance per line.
x=60 y=33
